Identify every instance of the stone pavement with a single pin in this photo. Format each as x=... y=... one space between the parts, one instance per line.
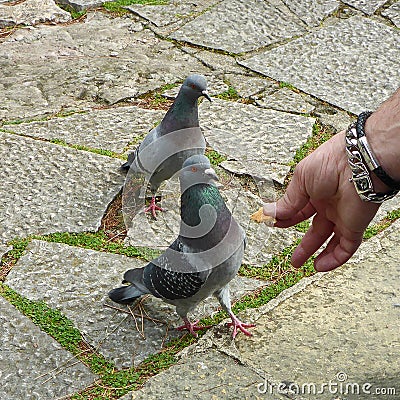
x=341 y=327
x=73 y=95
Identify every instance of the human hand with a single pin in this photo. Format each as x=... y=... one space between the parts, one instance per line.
x=320 y=186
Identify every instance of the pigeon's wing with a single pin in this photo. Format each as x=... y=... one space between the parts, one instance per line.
x=144 y=151
x=172 y=276
x=133 y=157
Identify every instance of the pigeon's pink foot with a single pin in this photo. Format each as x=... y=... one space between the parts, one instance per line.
x=236 y=323
x=153 y=207
x=192 y=327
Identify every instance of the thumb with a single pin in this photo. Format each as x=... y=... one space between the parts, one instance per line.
x=294 y=206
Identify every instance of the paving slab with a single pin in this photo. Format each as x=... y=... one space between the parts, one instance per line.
x=49 y=188
x=215 y=86
x=366 y=6
x=262 y=240
x=33 y=366
x=338 y=119
x=173 y=12
x=236 y=26
x=387 y=206
x=4 y=249
x=312 y=12
x=325 y=64
x=261 y=142
x=342 y=319
x=76 y=281
x=248 y=86
x=345 y=319
x=101 y=60
x=222 y=63
x=81 y=5
x=111 y=129
x=337 y=321
x=286 y=100
x=204 y=376
x=393 y=13
x=32 y=12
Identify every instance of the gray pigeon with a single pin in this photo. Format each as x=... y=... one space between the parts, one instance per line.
x=202 y=260
x=177 y=137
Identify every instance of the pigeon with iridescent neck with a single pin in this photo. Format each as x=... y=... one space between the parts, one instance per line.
x=176 y=138
x=204 y=257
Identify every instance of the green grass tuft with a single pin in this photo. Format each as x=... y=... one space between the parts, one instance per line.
x=103 y=152
x=303 y=226
x=118 y=5
x=74 y=14
x=319 y=136
x=287 y=85
x=230 y=94
x=49 y=320
x=215 y=157
x=100 y=242
x=167 y=86
x=373 y=230
x=11 y=257
x=158 y=99
x=19 y=246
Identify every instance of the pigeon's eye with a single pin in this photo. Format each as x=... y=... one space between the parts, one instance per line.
x=193 y=86
x=194 y=169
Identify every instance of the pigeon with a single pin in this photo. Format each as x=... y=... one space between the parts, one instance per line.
x=177 y=137
x=202 y=260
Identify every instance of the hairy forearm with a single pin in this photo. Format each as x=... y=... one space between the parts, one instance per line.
x=383 y=132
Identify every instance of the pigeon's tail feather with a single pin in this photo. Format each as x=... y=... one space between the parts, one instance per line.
x=128 y=294
x=134 y=276
x=125 y=294
x=125 y=166
x=131 y=159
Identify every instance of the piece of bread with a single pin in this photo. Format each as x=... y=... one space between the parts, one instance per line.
x=259 y=217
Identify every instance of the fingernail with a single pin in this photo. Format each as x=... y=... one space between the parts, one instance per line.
x=270 y=209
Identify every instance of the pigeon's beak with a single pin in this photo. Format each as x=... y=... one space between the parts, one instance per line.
x=211 y=173
x=205 y=94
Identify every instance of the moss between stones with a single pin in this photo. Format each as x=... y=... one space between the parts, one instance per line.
x=215 y=157
x=230 y=94
x=103 y=152
x=118 y=5
x=384 y=223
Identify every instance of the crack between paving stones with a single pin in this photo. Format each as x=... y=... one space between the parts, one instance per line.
x=153 y=27
x=62 y=143
x=43 y=118
x=296 y=16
